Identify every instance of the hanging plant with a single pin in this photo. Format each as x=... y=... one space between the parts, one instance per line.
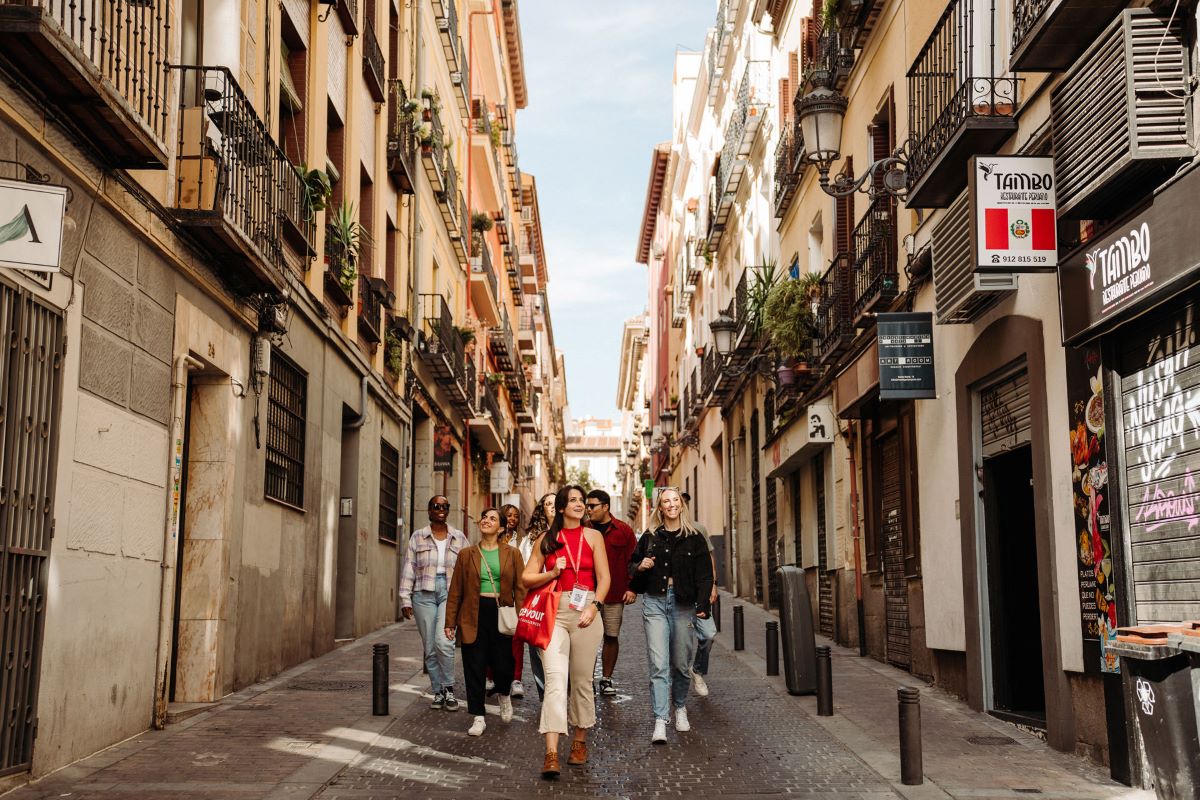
x=495 y=378
x=482 y=222
x=393 y=352
x=346 y=238
x=789 y=315
x=317 y=188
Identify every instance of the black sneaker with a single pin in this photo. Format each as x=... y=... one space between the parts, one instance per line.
x=451 y=702
x=439 y=700
x=606 y=687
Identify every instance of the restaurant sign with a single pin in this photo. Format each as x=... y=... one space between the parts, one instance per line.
x=1014 y=228
x=31 y=225
x=906 y=356
x=1139 y=262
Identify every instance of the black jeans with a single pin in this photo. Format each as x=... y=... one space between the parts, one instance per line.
x=490 y=649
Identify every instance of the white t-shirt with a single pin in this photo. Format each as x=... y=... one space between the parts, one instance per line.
x=441 y=562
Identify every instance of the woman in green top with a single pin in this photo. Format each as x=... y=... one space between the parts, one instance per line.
x=485 y=578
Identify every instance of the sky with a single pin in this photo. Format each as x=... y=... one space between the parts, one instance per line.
x=599 y=100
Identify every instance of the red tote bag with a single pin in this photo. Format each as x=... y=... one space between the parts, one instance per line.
x=535 y=620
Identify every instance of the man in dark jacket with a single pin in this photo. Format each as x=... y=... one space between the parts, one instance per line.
x=619 y=542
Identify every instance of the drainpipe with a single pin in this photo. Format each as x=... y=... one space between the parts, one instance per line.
x=731 y=467
x=851 y=440
x=166 y=610
x=361 y=419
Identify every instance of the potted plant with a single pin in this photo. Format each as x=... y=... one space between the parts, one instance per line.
x=495 y=378
x=700 y=351
x=317 y=188
x=345 y=236
x=393 y=352
x=789 y=321
x=481 y=223
x=433 y=103
x=763 y=280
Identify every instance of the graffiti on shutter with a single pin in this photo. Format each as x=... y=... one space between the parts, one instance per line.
x=899 y=651
x=1004 y=411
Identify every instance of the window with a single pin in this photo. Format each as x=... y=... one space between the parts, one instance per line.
x=286 y=405
x=389 y=491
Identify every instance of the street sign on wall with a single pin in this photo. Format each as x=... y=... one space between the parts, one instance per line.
x=31 y=223
x=906 y=357
x=1013 y=226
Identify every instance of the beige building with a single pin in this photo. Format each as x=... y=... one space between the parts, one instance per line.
x=249 y=372
x=963 y=536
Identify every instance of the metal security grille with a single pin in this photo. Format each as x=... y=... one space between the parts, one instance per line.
x=287 y=402
x=756 y=507
x=1004 y=412
x=899 y=650
x=773 y=588
x=389 y=491
x=31 y=354
x=824 y=576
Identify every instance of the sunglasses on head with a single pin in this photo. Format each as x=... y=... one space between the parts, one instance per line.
x=439 y=506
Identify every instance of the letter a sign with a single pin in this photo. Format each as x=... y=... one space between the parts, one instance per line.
x=1014 y=218
x=31 y=223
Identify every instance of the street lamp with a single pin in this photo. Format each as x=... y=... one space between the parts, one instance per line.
x=647 y=436
x=822 y=113
x=667 y=420
x=723 y=328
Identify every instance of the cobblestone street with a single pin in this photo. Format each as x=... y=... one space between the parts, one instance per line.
x=309 y=733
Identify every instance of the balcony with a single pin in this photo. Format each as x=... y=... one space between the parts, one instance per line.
x=787 y=180
x=433 y=147
x=485 y=153
x=440 y=348
x=832 y=53
x=234 y=188
x=721 y=44
x=1050 y=35
x=446 y=17
x=485 y=289
x=835 y=327
x=710 y=369
x=402 y=142
x=527 y=333
x=518 y=388
x=876 y=280
x=341 y=267
x=373 y=295
x=487 y=423
x=1121 y=117
x=373 y=69
x=500 y=345
x=348 y=13
x=956 y=108
x=739 y=141
x=857 y=19
x=117 y=96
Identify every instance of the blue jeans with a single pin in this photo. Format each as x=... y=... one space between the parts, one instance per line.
x=429 y=609
x=706 y=634
x=671 y=646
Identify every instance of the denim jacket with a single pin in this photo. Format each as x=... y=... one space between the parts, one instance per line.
x=420 y=561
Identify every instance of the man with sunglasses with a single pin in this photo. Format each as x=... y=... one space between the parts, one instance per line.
x=424 y=585
x=619 y=544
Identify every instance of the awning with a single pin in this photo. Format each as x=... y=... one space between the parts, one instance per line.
x=803 y=440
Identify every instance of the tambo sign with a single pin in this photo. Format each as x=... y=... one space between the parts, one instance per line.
x=31 y=223
x=1014 y=224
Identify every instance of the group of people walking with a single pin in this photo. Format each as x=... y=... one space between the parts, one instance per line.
x=470 y=594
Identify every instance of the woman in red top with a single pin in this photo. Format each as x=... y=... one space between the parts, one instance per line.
x=575 y=557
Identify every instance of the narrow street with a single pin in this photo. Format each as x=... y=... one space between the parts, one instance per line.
x=309 y=734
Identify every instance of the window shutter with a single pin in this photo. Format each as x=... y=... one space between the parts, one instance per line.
x=785 y=101
x=844 y=232
x=794 y=69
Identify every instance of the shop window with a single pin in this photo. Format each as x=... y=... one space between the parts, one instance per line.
x=286 y=407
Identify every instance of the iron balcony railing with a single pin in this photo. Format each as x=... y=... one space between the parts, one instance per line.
x=1026 y=13
x=514 y=379
x=500 y=341
x=721 y=42
x=373 y=69
x=743 y=123
x=402 y=141
x=486 y=405
x=348 y=12
x=833 y=54
x=952 y=81
x=123 y=46
x=230 y=166
x=835 y=326
x=741 y=296
x=370 y=308
x=787 y=180
x=340 y=268
x=441 y=344
x=876 y=278
x=482 y=265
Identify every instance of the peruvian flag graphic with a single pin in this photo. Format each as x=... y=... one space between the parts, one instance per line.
x=1020 y=229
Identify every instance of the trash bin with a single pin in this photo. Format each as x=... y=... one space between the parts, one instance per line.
x=799 y=645
x=1158 y=682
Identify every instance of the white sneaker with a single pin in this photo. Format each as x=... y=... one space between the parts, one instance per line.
x=681 y=720
x=489 y=686
x=698 y=685
x=660 y=732
x=517 y=689
x=477 y=727
x=505 y=708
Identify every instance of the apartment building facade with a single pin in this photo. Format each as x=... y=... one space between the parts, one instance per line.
x=991 y=536
x=235 y=394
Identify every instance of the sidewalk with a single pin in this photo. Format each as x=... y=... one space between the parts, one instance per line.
x=1004 y=763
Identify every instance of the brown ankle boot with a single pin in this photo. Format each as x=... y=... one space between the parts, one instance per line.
x=578 y=753
x=550 y=765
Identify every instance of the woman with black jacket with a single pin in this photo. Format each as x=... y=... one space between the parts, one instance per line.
x=672 y=571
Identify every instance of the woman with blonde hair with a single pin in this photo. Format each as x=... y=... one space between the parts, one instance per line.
x=575 y=557
x=671 y=570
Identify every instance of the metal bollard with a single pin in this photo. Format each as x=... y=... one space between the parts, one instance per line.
x=824 y=681
x=911 y=769
x=379 y=680
x=717 y=613
x=772 y=648
x=739 y=625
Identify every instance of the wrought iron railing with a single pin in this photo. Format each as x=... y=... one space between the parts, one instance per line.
x=370 y=309
x=875 y=270
x=741 y=297
x=722 y=30
x=228 y=163
x=500 y=338
x=373 y=67
x=951 y=81
x=130 y=45
x=834 y=323
x=833 y=55
x=710 y=370
x=786 y=177
x=440 y=339
x=1026 y=13
x=401 y=138
x=486 y=405
x=481 y=264
x=348 y=12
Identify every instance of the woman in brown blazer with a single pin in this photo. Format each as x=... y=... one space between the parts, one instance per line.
x=485 y=578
